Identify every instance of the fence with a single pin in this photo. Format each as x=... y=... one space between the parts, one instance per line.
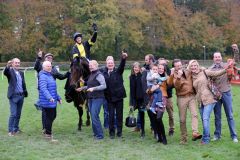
x=26 y=66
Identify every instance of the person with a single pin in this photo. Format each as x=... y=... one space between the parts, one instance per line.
x=203 y=94
x=224 y=86
x=169 y=102
x=82 y=49
x=48 y=57
x=136 y=94
x=153 y=82
x=235 y=53
x=105 y=105
x=48 y=98
x=182 y=82
x=158 y=120
x=95 y=94
x=149 y=60
x=115 y=93
x=54 y=72
x=16 y=92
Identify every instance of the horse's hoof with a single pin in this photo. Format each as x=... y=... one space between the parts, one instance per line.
x=88 y=123
x=79 y=128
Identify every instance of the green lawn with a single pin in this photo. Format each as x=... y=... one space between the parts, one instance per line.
x=80 y=145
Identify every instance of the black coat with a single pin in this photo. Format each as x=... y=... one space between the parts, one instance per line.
x=144 y=84
x=136 y=90
x=12 y=81
x=115 y=90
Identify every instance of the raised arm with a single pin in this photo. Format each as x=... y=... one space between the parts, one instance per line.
x=38 y=64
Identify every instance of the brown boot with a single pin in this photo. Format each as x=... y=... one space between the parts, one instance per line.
x=196 y=136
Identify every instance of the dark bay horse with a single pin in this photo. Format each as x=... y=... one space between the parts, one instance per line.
x=79 y=70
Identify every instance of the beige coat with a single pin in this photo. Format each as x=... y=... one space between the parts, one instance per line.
x=203 y=94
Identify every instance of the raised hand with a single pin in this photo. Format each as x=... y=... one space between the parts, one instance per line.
x=94 y=26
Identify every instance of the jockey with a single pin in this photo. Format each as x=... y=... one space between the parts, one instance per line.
x=82 y=49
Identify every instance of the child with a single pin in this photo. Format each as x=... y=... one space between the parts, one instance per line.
x=153 y=82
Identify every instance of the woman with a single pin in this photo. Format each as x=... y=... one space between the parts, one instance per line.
x=203 y=94
x=136 y=93
x=157 y=119
x=48 y=98
x=95 y=94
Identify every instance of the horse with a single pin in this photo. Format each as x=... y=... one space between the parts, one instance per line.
x=79 y=71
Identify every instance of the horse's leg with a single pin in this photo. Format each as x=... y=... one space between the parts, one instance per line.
x=88 y=115
x=80 y=113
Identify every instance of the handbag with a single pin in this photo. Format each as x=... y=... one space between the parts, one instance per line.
x=130 y=120
x=217 y=94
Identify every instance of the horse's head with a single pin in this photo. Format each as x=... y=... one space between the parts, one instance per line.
x=79 y=69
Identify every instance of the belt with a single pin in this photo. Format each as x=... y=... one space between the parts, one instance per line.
x=19 y=94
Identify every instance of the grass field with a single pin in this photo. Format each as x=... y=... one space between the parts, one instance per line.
x=30 y=145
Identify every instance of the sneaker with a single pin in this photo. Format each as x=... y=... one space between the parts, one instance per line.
x=10 y=134
x=235 y=140
x=203 y=143
x=54 y=140
x=196 y=136
x=48 y=136
x=215 y=138
x=17 y=132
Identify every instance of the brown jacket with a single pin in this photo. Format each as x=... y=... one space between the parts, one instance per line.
x=222 y=81
x=200 y=83
x=163 y=88
x=183 y=85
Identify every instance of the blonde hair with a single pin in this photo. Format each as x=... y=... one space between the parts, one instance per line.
x=94 y=62
x=109 y=58
x=191 y=62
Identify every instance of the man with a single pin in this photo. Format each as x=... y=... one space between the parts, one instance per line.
x=224 y=86
x=169 y=105
x=235 y=53
x=182 y=82
x=48 y=57
x=115 y=93
x=105 y=106
x=149 y=60
x=16 y=93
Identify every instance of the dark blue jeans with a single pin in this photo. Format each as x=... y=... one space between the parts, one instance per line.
x=106 y=114
x=157 y=97
x=16 y=103
x=95 y=108
x=226 y=100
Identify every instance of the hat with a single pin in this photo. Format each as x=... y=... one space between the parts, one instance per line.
x=48 y=54
x=77 y=34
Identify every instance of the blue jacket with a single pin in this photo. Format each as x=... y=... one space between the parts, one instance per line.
x=47 y=90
